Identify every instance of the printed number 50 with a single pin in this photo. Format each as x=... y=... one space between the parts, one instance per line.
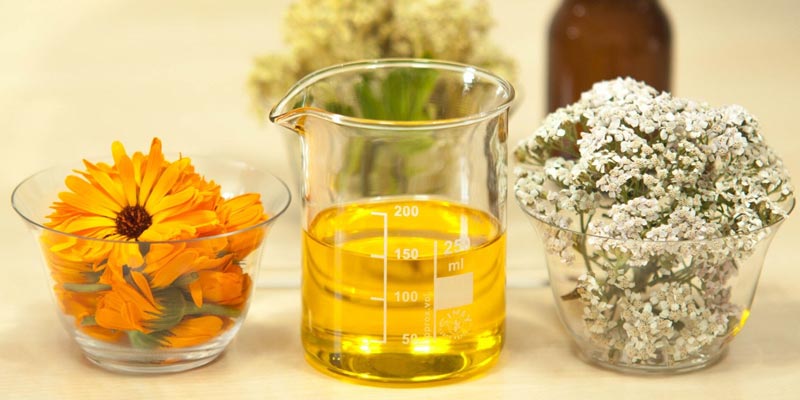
x=409 y=337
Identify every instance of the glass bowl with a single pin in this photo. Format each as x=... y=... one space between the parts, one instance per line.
x=159 y=306
x=652 y=307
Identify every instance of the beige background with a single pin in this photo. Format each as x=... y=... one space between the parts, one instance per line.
x=76 y=75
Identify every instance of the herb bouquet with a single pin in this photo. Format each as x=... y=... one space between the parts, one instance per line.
x=327 y=33
x=656 y=213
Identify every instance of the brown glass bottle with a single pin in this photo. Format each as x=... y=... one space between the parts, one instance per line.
x=593 y=40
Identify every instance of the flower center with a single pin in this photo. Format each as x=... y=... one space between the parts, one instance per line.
x=132 y=221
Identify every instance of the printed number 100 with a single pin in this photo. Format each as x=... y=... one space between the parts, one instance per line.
x=406 y=296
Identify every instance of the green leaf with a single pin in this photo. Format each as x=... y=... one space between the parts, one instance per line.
x=400 y=95
x=142 y=340
x=173 y=309
x=370 y=106
x=93 y=276
x=144 y=248
x=86 y=287
x=186 y=280
x=406 y=93
x=339 y=108
x=415 y=142
x=214 y=309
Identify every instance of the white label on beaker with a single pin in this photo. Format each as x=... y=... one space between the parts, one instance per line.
x=453 y=291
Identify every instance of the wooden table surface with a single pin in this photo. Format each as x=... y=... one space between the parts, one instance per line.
x=74 y=76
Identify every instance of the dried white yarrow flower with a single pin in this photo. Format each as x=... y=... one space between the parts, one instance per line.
x=660 y=198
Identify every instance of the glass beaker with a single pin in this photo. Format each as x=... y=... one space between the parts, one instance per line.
x=404 y=196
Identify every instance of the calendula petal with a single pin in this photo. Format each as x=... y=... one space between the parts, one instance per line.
x=89 y=222
x=247 y=217
x=241 y=212
x=160 y=252
x=137 y=161
x=126 y=173
x=85 y=189
x=182 y=198
x=109 y=186
x=205 y=263
x=155 y=161
x=165 y=274
x=194 y=331
x=227 y=288
x=144 y=286
x=196 y=290
x=178 y=225
x=64 y=242
x=242 y=201
x=86 y=204
x=126 y=254
x=162 y=187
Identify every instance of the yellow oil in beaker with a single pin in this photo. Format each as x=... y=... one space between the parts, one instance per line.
x=403 y=290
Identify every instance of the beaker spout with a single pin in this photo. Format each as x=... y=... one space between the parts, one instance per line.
x=290 y=110
x=291 y=119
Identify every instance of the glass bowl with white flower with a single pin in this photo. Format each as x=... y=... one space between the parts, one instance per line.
x=656 y=213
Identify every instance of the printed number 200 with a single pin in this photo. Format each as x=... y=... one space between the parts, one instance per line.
x=406 y=211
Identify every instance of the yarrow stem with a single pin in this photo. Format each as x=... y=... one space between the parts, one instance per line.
x=582 y=245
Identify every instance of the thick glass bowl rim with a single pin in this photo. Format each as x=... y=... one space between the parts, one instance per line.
x=789 y=209
x=282 y=108
x=236 y=163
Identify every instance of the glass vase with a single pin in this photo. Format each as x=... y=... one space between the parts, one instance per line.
x=168 y=306
x=643 y=306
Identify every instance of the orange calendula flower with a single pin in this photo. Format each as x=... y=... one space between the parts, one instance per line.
x=136 y=200
x=139 y=252
x=241 y=212
x=228 y=287
x=166 y=262
x=67 y=270
x=208 y=197
x=82 y=306
x=128 y=306
x=77 y=304
x=73 y=260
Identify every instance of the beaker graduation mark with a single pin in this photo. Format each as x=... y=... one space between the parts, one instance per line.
x=385 y=257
